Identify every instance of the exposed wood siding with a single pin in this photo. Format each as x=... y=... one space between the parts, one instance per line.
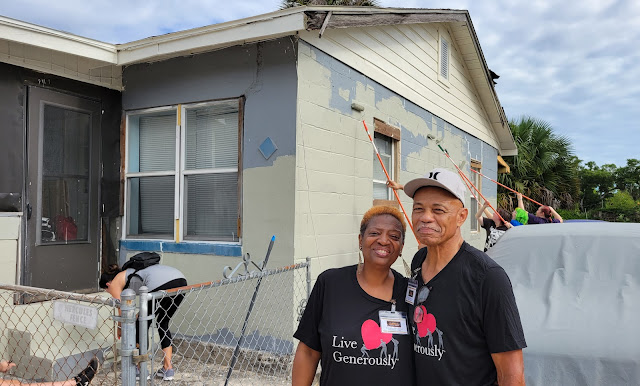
x=404 y=58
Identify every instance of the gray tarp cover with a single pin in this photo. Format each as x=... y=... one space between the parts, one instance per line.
x=577 y=286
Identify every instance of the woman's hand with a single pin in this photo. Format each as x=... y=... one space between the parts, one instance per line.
x=6 y=366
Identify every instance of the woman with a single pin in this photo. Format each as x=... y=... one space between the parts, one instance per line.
x=156 y=277
x=348 y=325
x=494 y=225
x=544 y=215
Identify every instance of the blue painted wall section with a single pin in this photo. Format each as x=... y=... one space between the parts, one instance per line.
x=344 y=77
x=217 y=249
x=265 y=73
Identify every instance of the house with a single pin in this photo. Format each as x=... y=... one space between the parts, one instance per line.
x=202 y=144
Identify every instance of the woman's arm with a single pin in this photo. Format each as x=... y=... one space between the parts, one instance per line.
x=520 y=203
x=556 y=215
x=305 y=364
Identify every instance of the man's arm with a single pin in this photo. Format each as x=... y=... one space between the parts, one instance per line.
x=510 y=368
x=305 y=364
x=395 y=185
x=520 y=203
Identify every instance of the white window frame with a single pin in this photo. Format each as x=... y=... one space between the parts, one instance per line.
x=179 y=170
x=443 y=38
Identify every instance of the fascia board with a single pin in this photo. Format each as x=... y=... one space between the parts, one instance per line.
x=212 y=38
x=34 y=35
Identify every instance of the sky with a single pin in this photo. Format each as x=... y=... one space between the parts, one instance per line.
x=573 y=64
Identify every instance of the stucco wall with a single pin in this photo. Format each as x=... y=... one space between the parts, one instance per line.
x=334 y=160
x=265 y=74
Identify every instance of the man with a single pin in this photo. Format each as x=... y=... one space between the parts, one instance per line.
x=493 y=224
x=465 y=319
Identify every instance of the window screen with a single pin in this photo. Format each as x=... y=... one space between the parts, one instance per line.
x=211 y=161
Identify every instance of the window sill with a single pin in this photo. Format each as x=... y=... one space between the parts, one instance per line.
x=187 y=247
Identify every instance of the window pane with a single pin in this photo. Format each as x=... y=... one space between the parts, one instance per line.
x=212 y=136
x=211 y=203
x=65 y=175
x=385 y=148
x=474 y=203
x=151 y=206
x=157 y=143
x=380 y=191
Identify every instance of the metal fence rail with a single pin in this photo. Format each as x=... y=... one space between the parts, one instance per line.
x=236 y=331
x=52 y=335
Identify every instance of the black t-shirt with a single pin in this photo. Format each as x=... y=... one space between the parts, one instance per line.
x=469 y=314
x=342 y=322
x=493 y=232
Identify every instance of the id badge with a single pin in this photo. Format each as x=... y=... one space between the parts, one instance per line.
x=412 y=287
x=393 y=322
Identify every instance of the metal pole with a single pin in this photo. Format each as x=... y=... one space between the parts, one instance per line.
x=128 y=331
x=143 y=326
x=236 y=352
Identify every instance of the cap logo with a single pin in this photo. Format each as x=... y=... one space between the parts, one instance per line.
x=433 y=176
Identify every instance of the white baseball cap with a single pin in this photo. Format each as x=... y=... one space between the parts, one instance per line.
x=441 y=178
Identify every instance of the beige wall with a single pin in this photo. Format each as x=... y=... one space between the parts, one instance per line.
x=10 y=239
x=404 y=58
x=334 y=160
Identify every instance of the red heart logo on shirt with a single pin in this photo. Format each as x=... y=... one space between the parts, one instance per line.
x=371 y=335
x=428 y=323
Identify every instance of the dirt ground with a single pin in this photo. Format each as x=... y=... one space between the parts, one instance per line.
x=194 y=372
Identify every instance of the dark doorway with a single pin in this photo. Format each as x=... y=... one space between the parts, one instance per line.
x=63 y=167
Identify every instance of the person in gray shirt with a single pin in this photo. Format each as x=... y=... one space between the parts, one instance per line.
x=156 y=277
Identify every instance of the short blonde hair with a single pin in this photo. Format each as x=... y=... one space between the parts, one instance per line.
x=380 y=210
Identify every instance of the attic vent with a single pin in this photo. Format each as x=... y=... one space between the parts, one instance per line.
x=444 y=58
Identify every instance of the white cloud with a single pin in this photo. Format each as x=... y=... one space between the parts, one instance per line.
x=573 y=63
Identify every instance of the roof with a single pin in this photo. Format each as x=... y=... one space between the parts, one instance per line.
x=269 y=26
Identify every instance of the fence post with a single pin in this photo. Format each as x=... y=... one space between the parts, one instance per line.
x=128 y=332
x=308 y=277
x=143 y=330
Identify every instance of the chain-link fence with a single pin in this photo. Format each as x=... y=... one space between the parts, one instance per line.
x=52 y=335
x=236 y=331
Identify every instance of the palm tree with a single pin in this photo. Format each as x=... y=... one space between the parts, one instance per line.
x=545 y=167
x=344 y=3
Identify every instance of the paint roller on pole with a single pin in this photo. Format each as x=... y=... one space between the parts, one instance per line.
x=506 y=187
x=464 y=177
x=375 y=148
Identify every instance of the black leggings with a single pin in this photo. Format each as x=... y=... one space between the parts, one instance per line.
x=165 y=308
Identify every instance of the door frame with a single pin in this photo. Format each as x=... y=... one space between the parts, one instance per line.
x=32 y=242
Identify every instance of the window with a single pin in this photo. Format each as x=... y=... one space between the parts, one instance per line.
x=473 y=209
x=385 y=147
x=182 y=173
x=386 y=139
x=444 y=59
